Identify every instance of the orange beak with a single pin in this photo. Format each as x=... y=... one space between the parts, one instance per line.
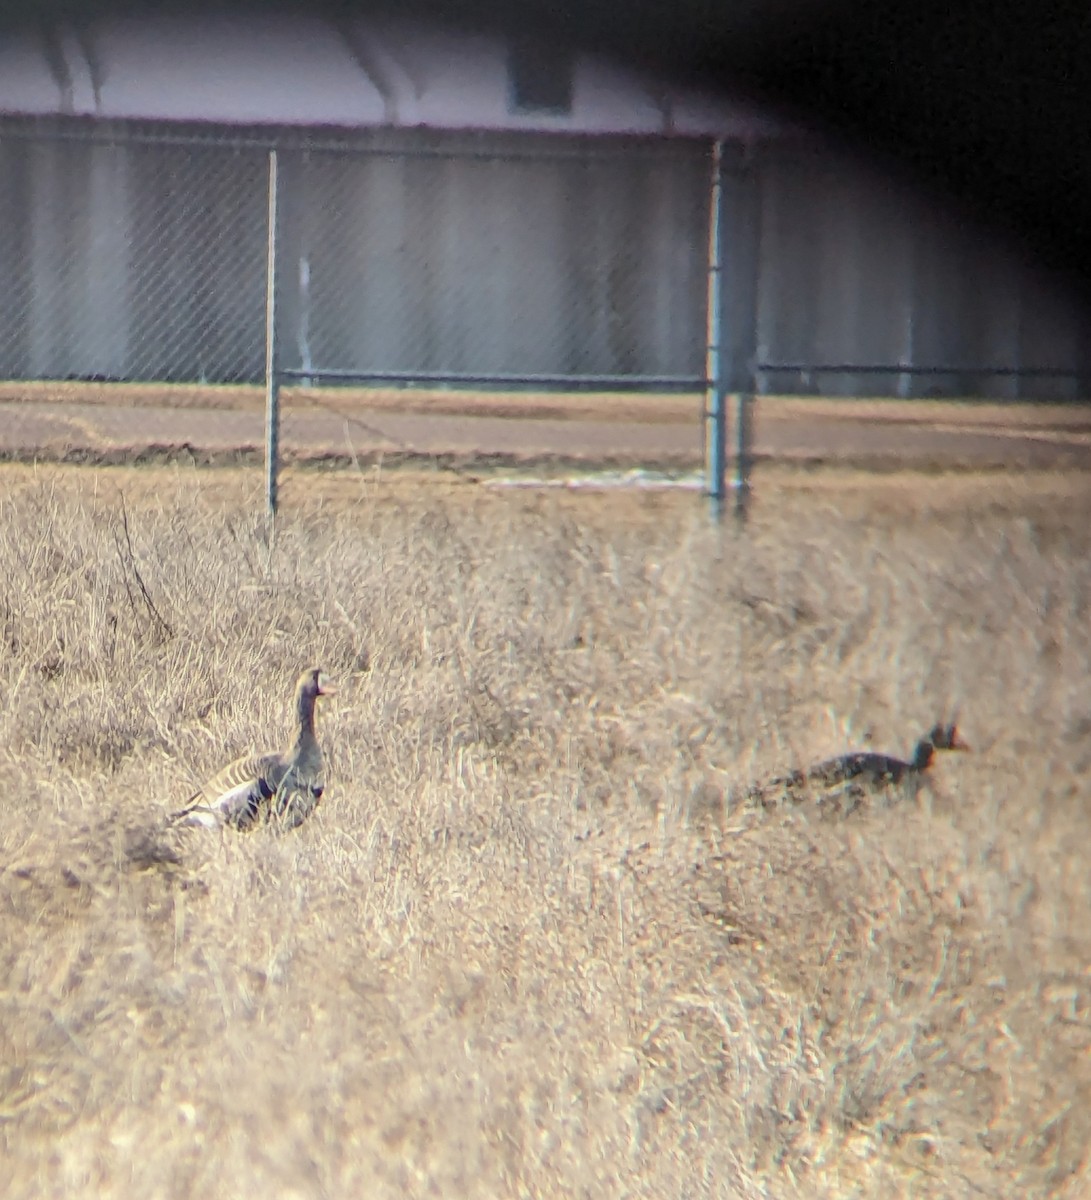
x=325 y=688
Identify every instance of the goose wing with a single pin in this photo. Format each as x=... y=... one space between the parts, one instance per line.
x=864 y=766
x=236 y=794
x=778 y=789
x=837 y=784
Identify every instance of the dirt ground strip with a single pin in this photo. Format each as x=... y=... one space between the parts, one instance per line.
x=100 y=422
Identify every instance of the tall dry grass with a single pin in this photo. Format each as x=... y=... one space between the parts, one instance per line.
x=531 y=944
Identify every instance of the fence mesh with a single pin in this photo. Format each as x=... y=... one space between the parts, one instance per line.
x=491 y=267
x=589 y=263
x=131 y=260
x=137 y=255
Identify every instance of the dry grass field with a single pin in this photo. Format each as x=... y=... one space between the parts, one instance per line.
x=532 y=943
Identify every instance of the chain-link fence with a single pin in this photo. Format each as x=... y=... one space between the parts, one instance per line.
x=497 y=267
x=133 y=316
x=129 y=257
x=459 y=260
x=140 y=255
x=409 y=291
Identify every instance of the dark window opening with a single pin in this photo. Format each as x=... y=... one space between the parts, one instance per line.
x=541 y=77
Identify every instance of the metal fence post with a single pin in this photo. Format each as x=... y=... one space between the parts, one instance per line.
x=740 y=198
x=744 y=404
x=716 y=397
x=272 y=383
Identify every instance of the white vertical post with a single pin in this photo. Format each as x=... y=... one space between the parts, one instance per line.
x=272 y=386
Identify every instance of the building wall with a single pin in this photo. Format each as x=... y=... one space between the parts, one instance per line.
x=138 y=251
x=127 y=260
x=288 y=68
x=134 y=258
x=854 y=269
x=588 y=262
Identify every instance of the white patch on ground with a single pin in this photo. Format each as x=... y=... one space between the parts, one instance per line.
x=639 y=478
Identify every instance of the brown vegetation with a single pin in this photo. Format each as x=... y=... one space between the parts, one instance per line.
x=532 y=943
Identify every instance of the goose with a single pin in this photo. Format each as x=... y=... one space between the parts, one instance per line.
x=841 y=784
x=281 y=786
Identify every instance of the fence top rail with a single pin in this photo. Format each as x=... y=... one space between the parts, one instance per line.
x=793 y=368
x=662 y=383
x=370 y=141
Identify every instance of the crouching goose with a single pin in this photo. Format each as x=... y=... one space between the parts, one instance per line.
x=841 y=784
x=282 y=787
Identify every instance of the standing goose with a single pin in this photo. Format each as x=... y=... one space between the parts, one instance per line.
x=839 y=785
x=285 y=787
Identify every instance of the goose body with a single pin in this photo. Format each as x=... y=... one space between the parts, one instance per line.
x=840 y=785
x=282 y=786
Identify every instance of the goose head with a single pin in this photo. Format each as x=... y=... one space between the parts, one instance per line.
x=315 y=682
x=946 y=737
x=940 y=737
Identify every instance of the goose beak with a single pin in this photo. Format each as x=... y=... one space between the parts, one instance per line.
x=325 y=688
x=957 y=743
